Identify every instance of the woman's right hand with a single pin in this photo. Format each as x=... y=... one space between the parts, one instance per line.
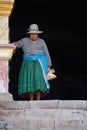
x=48 y=68
x=15 y=44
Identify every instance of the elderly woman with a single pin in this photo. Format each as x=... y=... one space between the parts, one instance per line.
x=36 y=63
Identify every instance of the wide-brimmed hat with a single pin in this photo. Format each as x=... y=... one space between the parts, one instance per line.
x=34 y=29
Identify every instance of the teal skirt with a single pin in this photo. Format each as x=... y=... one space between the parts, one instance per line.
x=31 y=78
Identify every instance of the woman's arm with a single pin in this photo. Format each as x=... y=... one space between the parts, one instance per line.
x=46 y=51
x=15 y=43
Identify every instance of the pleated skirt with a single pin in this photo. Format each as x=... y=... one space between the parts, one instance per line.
x=31 y=78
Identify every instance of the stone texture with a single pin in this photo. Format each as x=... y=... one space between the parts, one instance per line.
x=67 y=124
x=13 y=105
x=4 y=30
x=5 y=97
x=72 y=104
x=59 y=104
x=50 y=104
x=3 y=76
x=44 y=104
x=42 y=115
x=5 y=11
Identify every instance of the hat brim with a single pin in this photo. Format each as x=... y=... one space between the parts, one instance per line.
x=37 y=32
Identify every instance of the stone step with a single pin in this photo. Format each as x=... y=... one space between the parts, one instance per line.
x=49 y=114
x=43 y=124
x=44 y=104
x=43 y=115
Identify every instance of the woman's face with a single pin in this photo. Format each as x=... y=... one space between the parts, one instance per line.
x=33 y=36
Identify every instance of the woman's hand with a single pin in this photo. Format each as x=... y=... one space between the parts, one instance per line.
x=49 y=67
x=15 y=44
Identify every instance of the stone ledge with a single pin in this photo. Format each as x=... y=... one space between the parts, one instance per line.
x=43 y=104
x=59 y=104
x=5 y=97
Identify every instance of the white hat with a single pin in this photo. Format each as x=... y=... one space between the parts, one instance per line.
x=34 y=29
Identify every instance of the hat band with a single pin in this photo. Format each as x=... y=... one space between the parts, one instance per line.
x=34 y=30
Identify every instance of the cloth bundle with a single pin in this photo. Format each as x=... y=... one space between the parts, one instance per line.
x=51 y=75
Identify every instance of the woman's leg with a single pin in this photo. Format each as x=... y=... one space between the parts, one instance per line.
x=31 y=96
x=38 y=95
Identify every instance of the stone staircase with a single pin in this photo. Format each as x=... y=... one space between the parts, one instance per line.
x=43 y=115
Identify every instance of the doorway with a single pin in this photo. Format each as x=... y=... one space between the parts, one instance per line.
x=66 y=42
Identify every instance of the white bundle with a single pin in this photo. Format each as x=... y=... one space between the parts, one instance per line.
x=51 y=75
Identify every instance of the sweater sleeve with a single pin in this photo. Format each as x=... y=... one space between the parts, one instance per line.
x=46 y=51
x=20 y=43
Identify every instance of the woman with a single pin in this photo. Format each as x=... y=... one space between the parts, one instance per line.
x=36 y=63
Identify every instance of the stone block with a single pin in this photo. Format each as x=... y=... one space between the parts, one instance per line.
x=16 y=124
x=38 y=124
x=5 y=97
x=42 y=104
x=40 y=114
x=72 y=104
x=67 y=124
x=13 y=105
x=11 y=114
x=2 y=125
